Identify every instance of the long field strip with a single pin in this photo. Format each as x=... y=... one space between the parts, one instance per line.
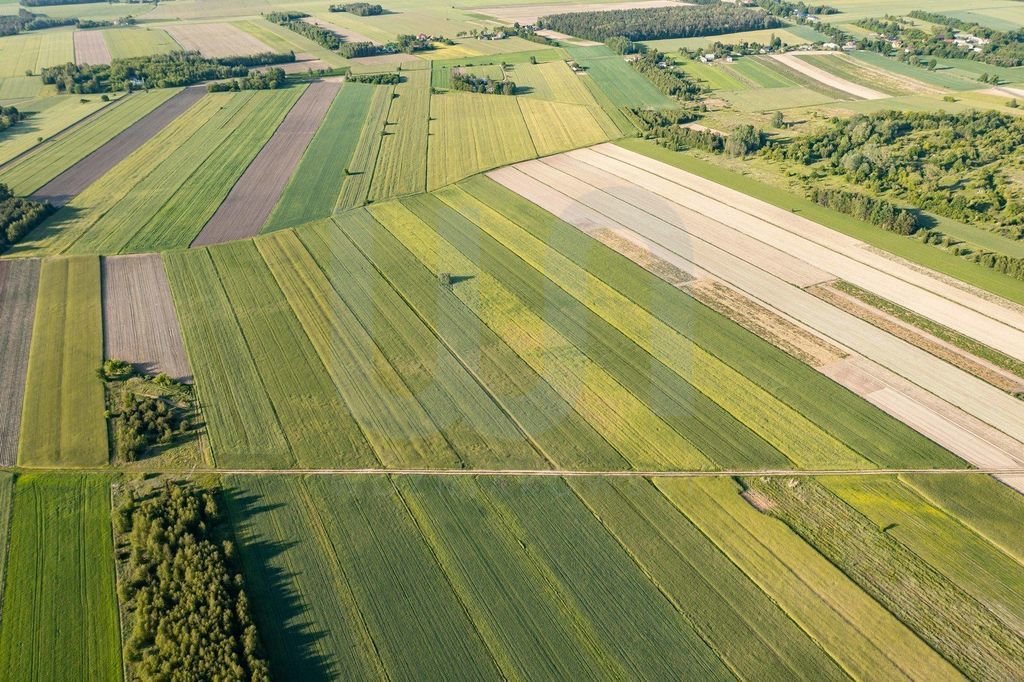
x=216 y=40
x=159 y=197
x=828 y=79
x=884 y=81
x=91 y=48
x=599 y=189
x=315 y=186
x=253 y=197
x=401 y=166
x=33 y=170
x=355 y=186
x=60 y=606
x=125 y=43
x=35 y=50
x=19 y=283
x=620 y=83
x=62 y=421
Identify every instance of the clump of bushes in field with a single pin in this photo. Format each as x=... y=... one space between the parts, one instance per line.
x=145 y=412
x=878 y=212
x=375 y=78
x=362 y=9
x=188 y=616
x=467 y=82
x=363 y=49
x=19 y=216
x=155 y=71
x=271 y=79
x=9 y=116
x=666 y=127
x=668 y=78
x=658 y=23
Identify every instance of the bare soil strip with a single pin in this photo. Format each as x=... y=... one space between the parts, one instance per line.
x=19 y=282
x=348 y=34
x=826 y=78
x=643 y=256
x=68 y=184
x=528 y=14
x=989 y=320
x=140 y=325
x=254 y=196
x=799 y=342
x=91 y=48
x=589 y=208
x=979 y=367
x=216 y=40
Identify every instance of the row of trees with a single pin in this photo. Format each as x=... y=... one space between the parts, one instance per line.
x=271 y=79
x=18 y=216
x=922 y=157
x=878 y=212
x=666 y=127
x=155 y=71
x=668 y=78
x=24 y=20
x=661 y=22
x=375 y=78
x=362 y=9
x=467 y=82
x=187 y=612
x=293 y=21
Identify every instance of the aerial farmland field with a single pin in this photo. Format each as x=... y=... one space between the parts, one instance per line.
x=500 y=341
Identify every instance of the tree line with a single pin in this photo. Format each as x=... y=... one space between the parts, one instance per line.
x=271 y=79
x=671 y=80
x=467 y=82
x=19 y=216
x=878 y=212
x=374 y=78
x=659 y=23
x=666 y=127
x=9 y=116
x=155 y=71
x=293 y=21
x=362 y=9
x=188 y=615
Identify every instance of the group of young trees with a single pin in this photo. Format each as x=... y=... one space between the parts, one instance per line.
x=9 y=116
x=954 y=164
x=362 y=9
x=657 y=23
x=271 y=79
x=24 y=20
x=390 y=78
x=467 y=82
x=672 y=81
x=878 y=212
x=18 y=216
x=160 y=71
x=666 y=127
x=188 y=616
x=293 y=21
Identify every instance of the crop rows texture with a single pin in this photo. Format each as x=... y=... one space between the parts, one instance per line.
x=167 y=206
x=62 y=420
x=19 y=284
x=557 y=126
x=972 y=637
x=60 y=610
x=853 y=628
x=355 y=186
x=460 y=408
x=38 y=167
x=6 y=504
x=839 y=413
x=395 y=424
x=621 y=83
x=402 y=161
x=315 y=187
x=861 y=74
x=317 y=425
x=125 y=43
x=35 y=50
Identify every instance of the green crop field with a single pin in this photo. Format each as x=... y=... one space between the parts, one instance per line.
x=618 y=80
x=124 y=43
x=62 y=421
x=402 y=161
x=315 y=187
x=355 y=187
x=942 y=78
x=29 y=53
x=60 y=609
x=33 y=170
x=46 y=117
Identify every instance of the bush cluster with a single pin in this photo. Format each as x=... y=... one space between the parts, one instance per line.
x=18 y=216
x=362 y=9
x=271 y=79
x=878 y=212
x=142 y=422
x=467 y=82
x=188 y=612
x=659 y=23
x=9 y=116
x=671 y=80
x=364 y=49
x=318 y=34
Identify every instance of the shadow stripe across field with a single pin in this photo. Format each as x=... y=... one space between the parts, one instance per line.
x=68 y=184
x=256 y=193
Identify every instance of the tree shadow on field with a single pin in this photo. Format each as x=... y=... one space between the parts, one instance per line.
x=278 y=608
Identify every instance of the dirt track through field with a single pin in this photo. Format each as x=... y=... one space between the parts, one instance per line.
x=825 y=78
x=140 y=325
x=68 y=184
x=659 y=221
x=19 y=283
x=216 y=40
x=254 y=196
x=91 y=48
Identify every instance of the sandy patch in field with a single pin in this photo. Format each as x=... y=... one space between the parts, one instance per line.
x=826 y=78
x=91 y=48
x=139 y=321
x=651 y=219
x=693 y=125
x=566 y=38
x=643 y=256
x=19 y=283
x=385 y=59
x=348 y=34
x=216 y=40
x=254 y=196
x=799 y=342
x=528 y=14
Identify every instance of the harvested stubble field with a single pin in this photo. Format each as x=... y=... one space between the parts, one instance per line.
x=139 y=322
x=62 y=420
x=60 y=606
x=610 y=187
x=40 y=164
x=216 y=40
x=98 y=161
x=91 y=48
x=19 y=282
x=315 y=187
x=253 y=197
